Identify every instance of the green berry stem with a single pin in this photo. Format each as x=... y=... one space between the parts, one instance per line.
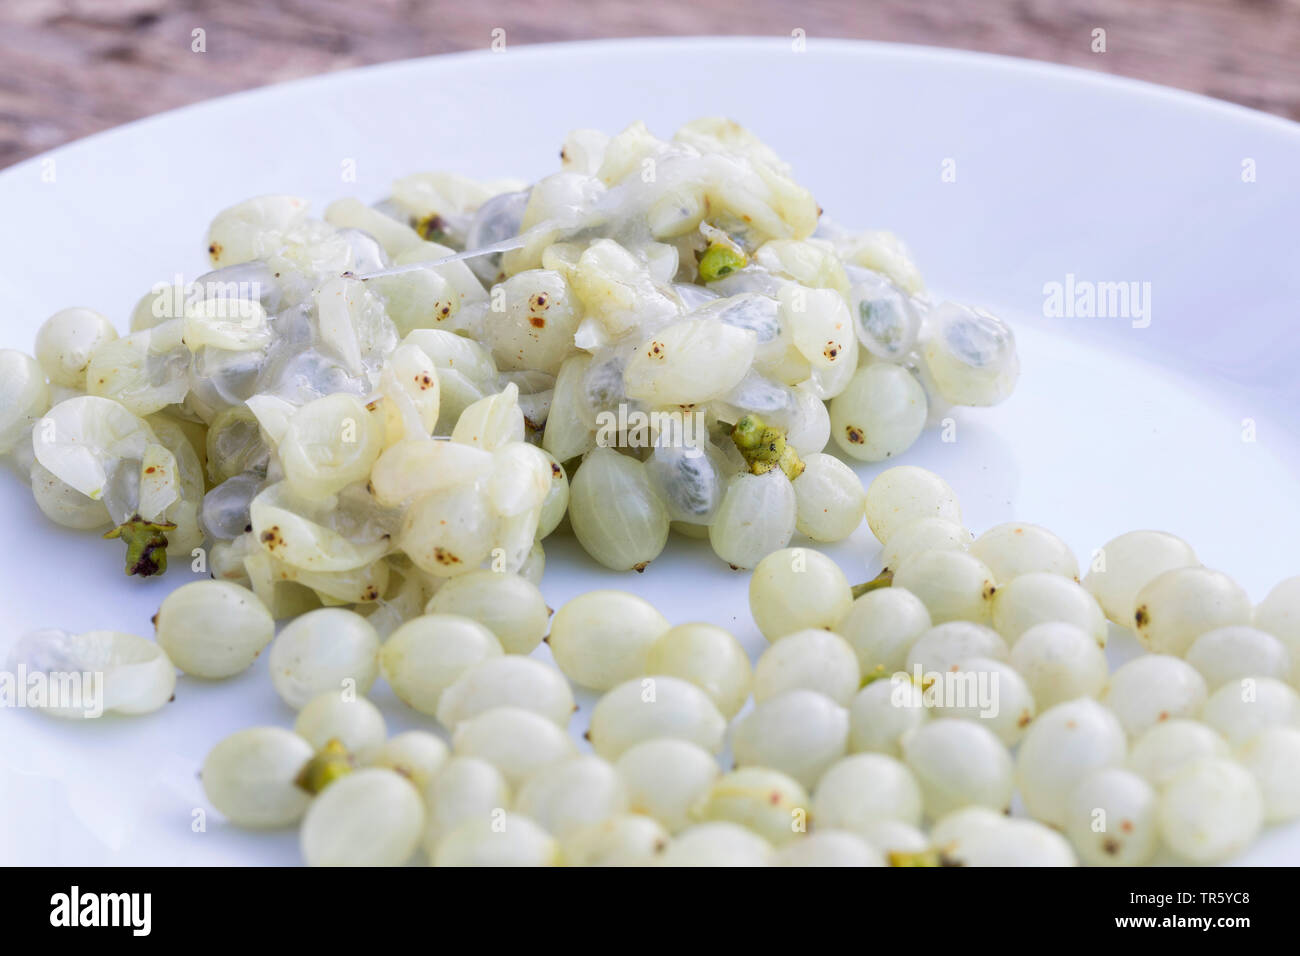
x=720 y=260
x=432 y=228
x=882 y=580
x=764 y=447
x=146 y=545
x=330 y=763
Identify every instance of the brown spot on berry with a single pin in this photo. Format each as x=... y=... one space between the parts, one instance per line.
x=539 y=301
x=445 y=557
x=150 y=470
x=1142 y=617
x=656 y=350
x=556 y=470
x=537 y=322
x=1126 y=826
x=214 y=250
x=831 y=351
x=1110 y=846
x=856 y=435
x=639 y=568
x=424 y=381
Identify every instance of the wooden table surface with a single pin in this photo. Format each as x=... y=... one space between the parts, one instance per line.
x=72 y=67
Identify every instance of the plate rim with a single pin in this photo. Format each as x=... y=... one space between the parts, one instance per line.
x=1174 y=96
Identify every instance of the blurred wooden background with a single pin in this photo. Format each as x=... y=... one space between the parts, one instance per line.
x=72 y=67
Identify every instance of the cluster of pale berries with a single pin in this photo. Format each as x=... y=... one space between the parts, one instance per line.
x=378 y=459
x=671 y=320
x=859 y=747
x=854 y=740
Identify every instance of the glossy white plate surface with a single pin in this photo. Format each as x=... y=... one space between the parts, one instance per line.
x=1057 y=172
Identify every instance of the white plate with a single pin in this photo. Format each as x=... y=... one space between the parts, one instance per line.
x=1058 y=172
